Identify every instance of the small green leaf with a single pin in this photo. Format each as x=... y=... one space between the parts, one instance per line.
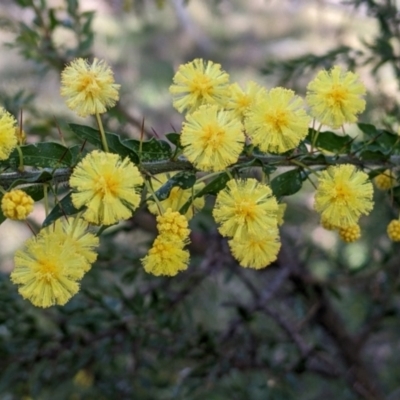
x=330 y=141
x=373 y=155
x=44 y=155
x=174 y=138
x=368 y=129
x=151 y=150
x=114 y=141
x=287 y=183
x=64 y=207
x=183 y=180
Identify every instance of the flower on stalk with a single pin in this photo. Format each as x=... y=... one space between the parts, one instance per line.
x=245 y=208
x=8 y=139
x=256 y=251
x=48 y=270
x=343 y=194
x=177 y=196
x=335 y=97
x=277 y=121
x=212 y=138
x=166 y=257
x=89 y=88
x=199 y=82
x=107 y=186
x=17 y=204
x=241 y=100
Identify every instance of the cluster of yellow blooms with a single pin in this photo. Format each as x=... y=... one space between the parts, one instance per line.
x=220 y=119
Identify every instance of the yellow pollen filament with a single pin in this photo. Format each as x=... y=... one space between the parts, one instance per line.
x=106 y=185
x=245 y=209
x=342 y=192
x=279 y=120
x=213 y=135
x=201 y=85
x=47 y=270
x=337 y=96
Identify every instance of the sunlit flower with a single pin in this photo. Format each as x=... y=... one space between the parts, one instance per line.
x=47 y=270
x=277 y=121
x=393 y=230
x=177 y=197
x=256 y=251
x=335 y=97
x=212 y=139
x=199 y=82
x=166 y=257
x=75 y=232
x=241 y=100
x=89 y=88
x=343 y=194
x=350 y=234
x=107 y=186
x=17 y=204
x=173 y=225
x=245 y=208
x=386 y=180
x=8 y=140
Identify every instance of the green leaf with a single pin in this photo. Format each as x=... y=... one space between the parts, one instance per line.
x=373 y=155
x=174 y=138
x=330 y=141
x=150 y=150
x=114 y=141
x=287 y=183
x=64 y=207
x=368 y=129
x=183 y=180
x=43 y=155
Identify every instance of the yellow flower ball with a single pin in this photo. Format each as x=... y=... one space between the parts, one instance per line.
x=393 y=230
x=350 y=234
x=8 y=139
x=17 y=205
x=386 y=180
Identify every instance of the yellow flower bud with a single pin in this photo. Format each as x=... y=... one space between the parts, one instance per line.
x=17 y=204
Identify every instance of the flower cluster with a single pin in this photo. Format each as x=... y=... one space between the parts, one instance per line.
x=167 y=256
x=248 y=214
x=222 y=120
x=49 y=268
x=343 y=195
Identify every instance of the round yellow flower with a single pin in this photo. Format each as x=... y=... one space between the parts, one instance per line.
x=350 y=233
x=173 y=225
x=245 y=208
x=277 y=121
x=393 y=230
x=107 y=186
x=335 y=97
x=17 y=204
x=89 y=88
x=177 y=196
x=47 y=270
x=8 y=140
x=241 y=100
x=386 y=180
x=327 y=225
x=75 y=232
x=199 y=82
x=343 y=195
x=166 y=257
x=212 y=138
x=256 y=251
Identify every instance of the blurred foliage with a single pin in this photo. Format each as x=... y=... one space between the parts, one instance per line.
x=305 y=328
